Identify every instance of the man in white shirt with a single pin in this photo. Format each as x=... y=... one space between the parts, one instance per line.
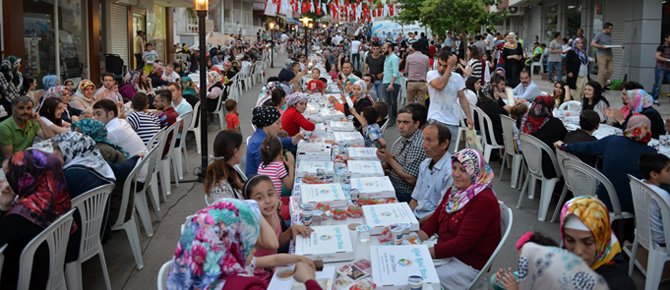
x=527 y=89
x=446 y=92
x=337 y=39
x=169 y=74
x=119 y=131
x=489 y=41
x=180 y=105
x=355 y=57
x=105 y=91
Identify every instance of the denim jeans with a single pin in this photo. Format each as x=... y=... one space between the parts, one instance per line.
x=660 y=75
x=355 y=60
x=391 y=98
x=377 y=86
x=550 y=70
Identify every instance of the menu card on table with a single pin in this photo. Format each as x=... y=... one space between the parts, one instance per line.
x=374 y=187
x=391 y=265
x=361 y=168
x=379 y=216
x=327 y=243
x=328 y=194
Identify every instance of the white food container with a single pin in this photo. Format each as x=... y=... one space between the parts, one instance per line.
x=374 y=187
x=380 y=216
x=363 y=153
x=327 y=243
x=310 y=167
x=328 y=194
x=391 y=265
x=316 y=151
x=361 y=168
x=351 y=137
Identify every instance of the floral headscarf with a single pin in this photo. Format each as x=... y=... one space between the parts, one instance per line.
x=80 y=151
x=53 y=92
x=638 y=100
x=594 y=214
x=188 y=87
x=363 y=85
x=216 y=77
x=639 y=128
x=214 y=245
x=11 y=79
x=294 y=98
x=131 y=77
x=265 y=116
x=96 y=130
x=480 y=174
x=227 y=64
x=549 y=268
x=157 y=71
x=539 y=114
x=580 y=52
x=38 y=180
x=80 y=92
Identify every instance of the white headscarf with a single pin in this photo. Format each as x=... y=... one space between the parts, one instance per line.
x=81 y=151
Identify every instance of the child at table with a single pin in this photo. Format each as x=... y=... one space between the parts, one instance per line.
x=655 y=168
x=261 y=189
x=232 y=118
x=280 y=169
x=383 y=110
x=371 y=131
x=316 y=85
x=504 y=279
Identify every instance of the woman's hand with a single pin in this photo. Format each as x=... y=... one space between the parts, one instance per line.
x=305 y=231
x=615 y=114
x=6 y=196
x=304 y=271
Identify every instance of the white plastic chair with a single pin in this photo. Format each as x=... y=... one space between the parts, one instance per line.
x=141 y=204
x=159 y=141
x=130 y=226
x=402 y=95
x=56 y=236
x=386 y=124
x=539 y=64
x=180 y=152
x=573 y=106
x=240 y=172
x=561 y=156
x=219 y=110
x=162 y=275
x=195 y=127
x=511 y=150
x=169 y=158
x=642 y=196
x=506 y=219
x=532 y=153
x=485 y=124
x=395 y=143
x=91 y=206
x=2 y=259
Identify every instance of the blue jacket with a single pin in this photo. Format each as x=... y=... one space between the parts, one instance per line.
x=254 y=151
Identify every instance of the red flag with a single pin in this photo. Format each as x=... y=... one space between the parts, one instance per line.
x=318 y=9
x=391 y=9
x=305 y=8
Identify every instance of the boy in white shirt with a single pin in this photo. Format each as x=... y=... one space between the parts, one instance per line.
x=149 y=57
x=169 y=74
x=655 y=168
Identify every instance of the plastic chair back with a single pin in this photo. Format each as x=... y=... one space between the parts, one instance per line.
x=585 y=179
x=506 y=219
x=56 y=236
x=188 y=122
x=172 y=137
x=194 y=120
x=642 y=196
x=561 y=157
x=2 y=258
x=156 y=139
x=91 y=206
x=131 y=182
x=162 y=275
x=395 y=143
x=386 y=124
x=532 y=153
x=485 y=124
x=508 y=134
x=240 y=172
x=570 y=106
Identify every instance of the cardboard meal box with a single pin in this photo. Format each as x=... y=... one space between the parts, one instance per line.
x=327 y=114
x=342 y=126
x=327 y=243
x=374 y=187
x=379 y=216
x=317 y=151
x=362 y=168
x=351 y=137
x=310 y=167
x=328 y=194
x=391 y=265
x=363 y=153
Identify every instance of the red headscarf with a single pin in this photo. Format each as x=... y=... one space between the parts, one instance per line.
x=539 y=114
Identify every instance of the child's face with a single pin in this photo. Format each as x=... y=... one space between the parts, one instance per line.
x=150 y=47
x=264 y=193
x=664 y=175
x=115 y=88
x=348 y=87
x=315 y=75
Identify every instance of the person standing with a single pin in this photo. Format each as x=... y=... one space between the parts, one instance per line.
x=489 y=41
x=449 y=42
x=139 y=49
x=513 y=56
x=555 y=60
x=374 y=65
x=355 y=57
x=662 y=69
x=604 y=54
x=391 y=82
x=416 y=67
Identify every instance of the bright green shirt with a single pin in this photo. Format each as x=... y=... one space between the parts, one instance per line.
x=12 y=134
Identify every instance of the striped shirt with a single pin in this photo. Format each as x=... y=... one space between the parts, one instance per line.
x=476 y=68
x=276 y=171
x=146 y=125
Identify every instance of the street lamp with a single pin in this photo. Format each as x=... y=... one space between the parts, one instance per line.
x=202 y=6
x=305 y=22
x=272 y=45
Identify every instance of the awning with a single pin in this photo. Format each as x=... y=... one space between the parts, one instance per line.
x=175 y=3
x=289 y=20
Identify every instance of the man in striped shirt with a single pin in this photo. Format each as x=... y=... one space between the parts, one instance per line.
x=145 y=124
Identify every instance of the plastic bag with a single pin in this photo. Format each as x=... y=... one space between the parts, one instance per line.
x=472 y=141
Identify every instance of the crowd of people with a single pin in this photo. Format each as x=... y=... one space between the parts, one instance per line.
x=235 y=243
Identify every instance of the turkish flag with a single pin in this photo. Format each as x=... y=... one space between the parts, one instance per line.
x=305 y=7
x=318 y=10
x=391 y=9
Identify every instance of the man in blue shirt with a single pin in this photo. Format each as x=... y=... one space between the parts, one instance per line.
x=267 y=120
x=434 y=173
x=449 y=41
x=390 y=81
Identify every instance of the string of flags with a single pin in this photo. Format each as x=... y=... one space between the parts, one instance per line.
x=340 y=10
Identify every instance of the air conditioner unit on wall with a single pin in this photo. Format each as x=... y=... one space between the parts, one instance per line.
x=515 y=11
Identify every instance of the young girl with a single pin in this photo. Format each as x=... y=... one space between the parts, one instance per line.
x=261 y=189
x=272 y=163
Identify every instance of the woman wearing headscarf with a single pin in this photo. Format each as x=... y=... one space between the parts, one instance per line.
x=155 y=76
x=267 y=120
x=540 y=122
x=49 y=81
x=551 y=268
x=190 y=91
x=213 y=90
x=216 y=249
x=512 y=53
x=11 y=83
x=70 y=114
x=586 y=232
x=292 y=119
x=620 y=155
x=98 y=132
x=265 y=97
x=135 y=82
x=37 y=178
x=467 y=221
x=639 y=102
x=228 y=71
x=577 y=67
x=83 y=99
